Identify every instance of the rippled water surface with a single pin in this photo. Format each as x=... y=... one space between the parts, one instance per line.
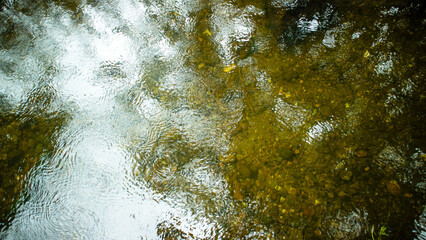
x=280 y=119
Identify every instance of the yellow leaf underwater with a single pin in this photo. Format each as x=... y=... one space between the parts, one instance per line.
x=207 y=32
x=229 y=68
x=366 y=54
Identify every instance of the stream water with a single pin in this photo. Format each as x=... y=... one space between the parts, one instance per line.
x=244 y=119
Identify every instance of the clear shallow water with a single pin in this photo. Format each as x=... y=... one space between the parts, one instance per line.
x=198 y=120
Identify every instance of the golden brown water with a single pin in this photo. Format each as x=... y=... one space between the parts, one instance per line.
x=213 y=119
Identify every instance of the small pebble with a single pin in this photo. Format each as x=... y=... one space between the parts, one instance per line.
x=408 y=195
x=318 y=233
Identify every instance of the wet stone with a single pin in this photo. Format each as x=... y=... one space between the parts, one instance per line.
x=318 y=233
x=292 y=191
x=244 y=170
x=361 y=153
x=393 y=187
x=286 y=153
x=325 y=111
x=346 y=175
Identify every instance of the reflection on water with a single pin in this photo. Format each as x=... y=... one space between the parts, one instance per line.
x=130 y=119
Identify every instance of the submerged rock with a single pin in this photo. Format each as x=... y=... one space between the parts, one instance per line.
x=393 y=187
x=346 y=175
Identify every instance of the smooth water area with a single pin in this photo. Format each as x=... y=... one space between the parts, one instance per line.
x=280 y=119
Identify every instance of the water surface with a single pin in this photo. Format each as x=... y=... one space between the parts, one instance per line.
x=198 y=119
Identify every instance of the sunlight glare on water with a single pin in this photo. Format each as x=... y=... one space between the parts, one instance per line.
x=87 y=189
